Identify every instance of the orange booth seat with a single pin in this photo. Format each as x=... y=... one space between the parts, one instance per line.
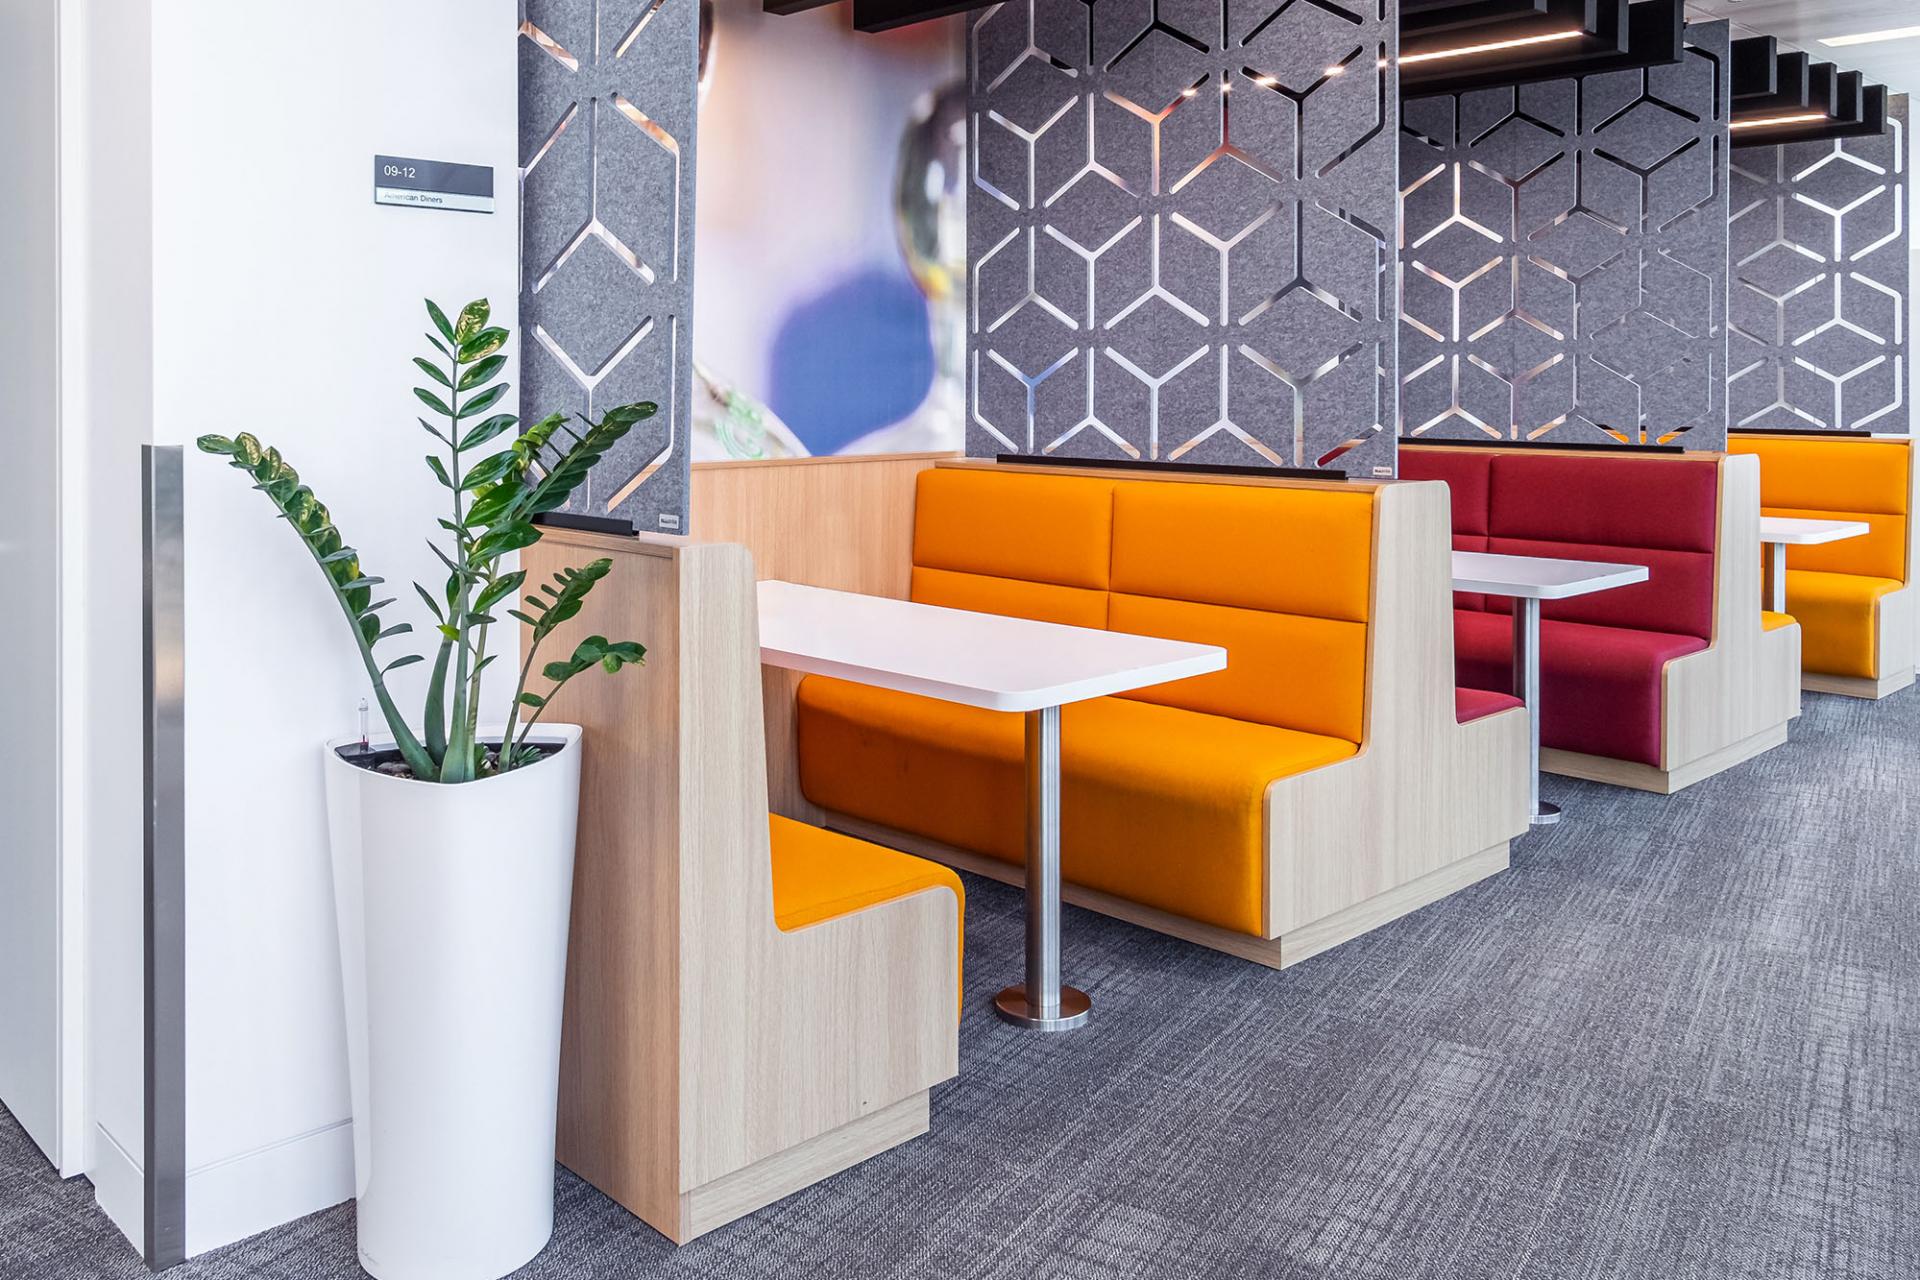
x=1324 y=782
x=1856 y=602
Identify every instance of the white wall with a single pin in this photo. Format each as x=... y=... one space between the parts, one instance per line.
x=288 y=304
x=30 y=1009
x=106 y=380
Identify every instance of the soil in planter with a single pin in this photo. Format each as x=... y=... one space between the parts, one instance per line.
x=389 y=761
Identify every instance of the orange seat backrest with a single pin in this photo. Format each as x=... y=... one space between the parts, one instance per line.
x=1842 y=478
x=1025 y=546
x=1280 y=577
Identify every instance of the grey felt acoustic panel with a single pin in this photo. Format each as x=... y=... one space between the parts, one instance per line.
x=1181 y=229
x=606 y=263
x=1564 y=264
x=1818 y=309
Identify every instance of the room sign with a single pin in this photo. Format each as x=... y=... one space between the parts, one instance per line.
x=432 y=184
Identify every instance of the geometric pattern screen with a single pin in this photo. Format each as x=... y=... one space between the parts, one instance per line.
x=1564 y=261
x=606 y=263
x=1820 y=283
x=1181 y=230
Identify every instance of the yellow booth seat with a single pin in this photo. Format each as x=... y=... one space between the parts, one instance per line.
x=1165 y=790
x=1852 y=598
x=818 y=875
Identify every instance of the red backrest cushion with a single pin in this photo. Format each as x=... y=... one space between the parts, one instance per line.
x=1668 y=503
x=1659 y=512
x=1467 y=473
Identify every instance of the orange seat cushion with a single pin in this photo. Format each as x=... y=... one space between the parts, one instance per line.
x=820 y=874
x=1770 y=621
x=1159 y=805
x=1839 y=620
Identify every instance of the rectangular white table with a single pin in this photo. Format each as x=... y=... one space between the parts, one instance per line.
x=1777 y=533
x=1001 y=664
x=1527 y=580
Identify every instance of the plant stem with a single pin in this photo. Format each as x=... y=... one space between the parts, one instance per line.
x=458 y=764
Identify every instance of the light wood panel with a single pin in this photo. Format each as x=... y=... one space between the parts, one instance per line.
x=1746 y=684
x=1425 y=791
x=703 y=1045
x=845 y=523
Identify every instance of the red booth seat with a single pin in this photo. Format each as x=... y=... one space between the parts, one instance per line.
x=1602 y=655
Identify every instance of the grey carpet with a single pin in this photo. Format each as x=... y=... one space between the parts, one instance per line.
x=1680 y=1038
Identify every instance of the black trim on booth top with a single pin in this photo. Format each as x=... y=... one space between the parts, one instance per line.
x=1797 y=431
x=617 y=526
x=1561 y=445
x=1201 y=468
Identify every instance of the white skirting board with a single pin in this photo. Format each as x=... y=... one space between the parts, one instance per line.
x=239 y=1196
x=246 y=1194
x=119 y=1188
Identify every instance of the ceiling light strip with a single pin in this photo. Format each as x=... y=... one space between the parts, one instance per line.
x=1806 y=117
x=1872 y=37
x=1492 y=46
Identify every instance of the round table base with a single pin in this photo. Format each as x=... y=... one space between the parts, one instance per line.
x=1012 y=1006
x=1546 y=815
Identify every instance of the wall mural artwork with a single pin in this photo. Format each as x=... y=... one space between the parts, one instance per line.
x=1181 y=227
x=1564 y=265
x=606 y=262
x=1820 y=271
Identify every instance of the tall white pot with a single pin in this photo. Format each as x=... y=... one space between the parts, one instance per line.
x=453 y=904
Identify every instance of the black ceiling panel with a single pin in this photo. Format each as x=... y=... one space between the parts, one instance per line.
x=1755 y=73
x=1653 y=31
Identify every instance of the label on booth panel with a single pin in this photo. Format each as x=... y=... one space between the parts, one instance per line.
x=433 y=184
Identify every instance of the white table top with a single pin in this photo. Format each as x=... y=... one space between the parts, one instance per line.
x=980 y=659
x=1804 y=533
x=1537 y=577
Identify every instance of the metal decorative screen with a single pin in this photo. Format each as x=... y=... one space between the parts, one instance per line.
x=1820 y=270
x=1564 y=265
x=606 y=262
x=1181 y=230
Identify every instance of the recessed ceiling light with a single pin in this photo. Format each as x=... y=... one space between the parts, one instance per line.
x=1872 y=37
x=1806 y=117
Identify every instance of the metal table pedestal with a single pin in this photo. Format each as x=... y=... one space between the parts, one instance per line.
x=1041 y=1003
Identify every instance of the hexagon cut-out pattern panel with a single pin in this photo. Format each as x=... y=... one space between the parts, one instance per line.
x=1564 y=257
x=1181 y=231
x=1818 y=311
x=607 y=117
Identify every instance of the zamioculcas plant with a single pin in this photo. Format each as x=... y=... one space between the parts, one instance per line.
x=495 y=497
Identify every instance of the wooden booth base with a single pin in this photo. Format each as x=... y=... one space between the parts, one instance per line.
x=1856 y=686
x=1644 y=777
x=744 y=1191
x=1275 y=953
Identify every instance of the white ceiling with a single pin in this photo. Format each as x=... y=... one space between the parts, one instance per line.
x=1801 y=23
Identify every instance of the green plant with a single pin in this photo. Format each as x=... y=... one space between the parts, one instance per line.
x=495 y=500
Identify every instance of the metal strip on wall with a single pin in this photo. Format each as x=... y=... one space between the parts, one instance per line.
x=164 y=679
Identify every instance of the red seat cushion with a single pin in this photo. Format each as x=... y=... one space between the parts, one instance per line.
x=1600 y=687
x=1475 y=704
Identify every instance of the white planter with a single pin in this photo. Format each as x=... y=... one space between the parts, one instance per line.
x=452 y=904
